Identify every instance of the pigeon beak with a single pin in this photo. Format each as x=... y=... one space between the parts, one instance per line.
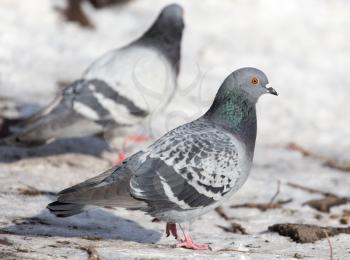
x=272 y=91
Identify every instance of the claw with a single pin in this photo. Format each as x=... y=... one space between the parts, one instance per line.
x=188 y=243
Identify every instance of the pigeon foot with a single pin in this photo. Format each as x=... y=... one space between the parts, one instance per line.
x=135 y=139
x=189 y=244
x=130 y=139
x=120 y=158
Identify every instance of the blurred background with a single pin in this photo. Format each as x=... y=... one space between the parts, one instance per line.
x=302 y=46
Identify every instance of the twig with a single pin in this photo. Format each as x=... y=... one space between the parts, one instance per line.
x=330 y=245
x=91 y=251
x=265 y=206
x=234 y=228
x=235 y=250
x=323 y=204
x=331 y=163
x=339 y=165
x=310 y=190
x=262 y=206
x=326 y=203
x=32 y=191
x=296 y=147
x=221 y=213
x=277 y=192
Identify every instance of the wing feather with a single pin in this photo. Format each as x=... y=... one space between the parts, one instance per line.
x=192 y=166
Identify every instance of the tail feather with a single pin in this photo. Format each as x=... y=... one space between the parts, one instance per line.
x=62 y=210
x=90 y=182
x=26 y=132
x=6 y=124
x=57 y=120
x=110 y=188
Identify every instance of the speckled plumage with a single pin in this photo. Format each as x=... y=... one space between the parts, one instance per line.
x=189 y=170
x=192 y=167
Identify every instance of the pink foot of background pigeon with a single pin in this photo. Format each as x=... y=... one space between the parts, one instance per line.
x=130 y=139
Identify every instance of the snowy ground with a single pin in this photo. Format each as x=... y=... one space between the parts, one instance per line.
x=304 y=48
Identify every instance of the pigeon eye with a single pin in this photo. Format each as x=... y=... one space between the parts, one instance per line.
x=254 y=81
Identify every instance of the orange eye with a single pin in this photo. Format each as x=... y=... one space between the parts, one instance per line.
x=254 y=81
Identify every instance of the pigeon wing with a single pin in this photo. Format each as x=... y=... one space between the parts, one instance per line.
x=192 y=166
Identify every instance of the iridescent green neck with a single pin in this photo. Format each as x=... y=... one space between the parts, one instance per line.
x=232 y=110
x=235 y=112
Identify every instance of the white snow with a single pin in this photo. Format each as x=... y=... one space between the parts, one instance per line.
x=302 y=46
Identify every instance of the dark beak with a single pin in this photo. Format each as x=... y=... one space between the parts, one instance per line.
x=272 y=91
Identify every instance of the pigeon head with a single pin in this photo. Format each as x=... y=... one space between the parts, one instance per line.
x=171 y=17
x=234 y=105
x=250 y=82
x=165 y=34
x=169 y=24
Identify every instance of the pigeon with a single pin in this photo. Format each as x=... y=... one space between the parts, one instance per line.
x=118 y=91
x=188 y=171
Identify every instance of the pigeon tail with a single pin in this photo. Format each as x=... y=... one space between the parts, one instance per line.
x=6 y=124
x=58 y=120
x=110 y=188
x=62 y=210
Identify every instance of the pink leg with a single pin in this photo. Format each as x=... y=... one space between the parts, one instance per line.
x=171 y=229
x=121 y=157
x=188 y=243
x=135 y=139
x=129 y=139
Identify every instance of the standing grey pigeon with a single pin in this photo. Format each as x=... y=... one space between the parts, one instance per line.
x=119 y=90
x=187 y=172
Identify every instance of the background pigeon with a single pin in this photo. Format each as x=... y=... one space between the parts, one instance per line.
x=188 y=171
x=119 y=90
